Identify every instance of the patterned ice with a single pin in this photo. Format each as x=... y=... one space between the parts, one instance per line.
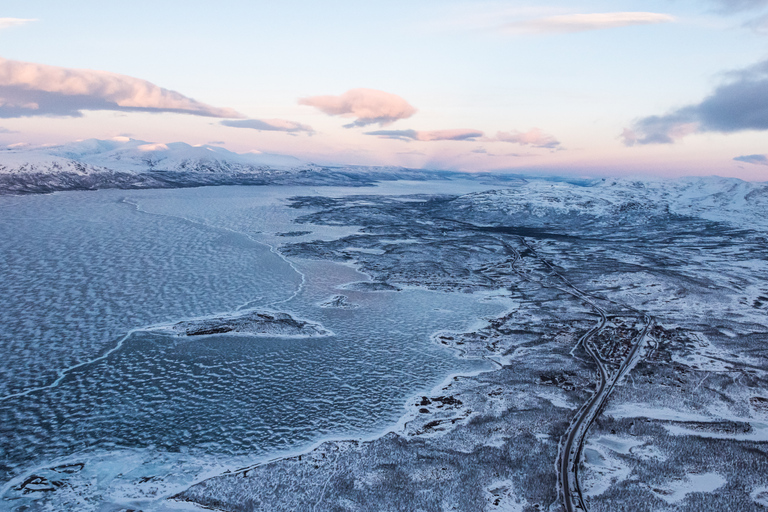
x=87 y=275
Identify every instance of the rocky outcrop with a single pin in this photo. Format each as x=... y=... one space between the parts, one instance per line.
x=253 y=323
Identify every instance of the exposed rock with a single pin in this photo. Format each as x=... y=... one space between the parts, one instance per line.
x=293 y=233
x=372 y=286
x=254 y=323
x=339 y=302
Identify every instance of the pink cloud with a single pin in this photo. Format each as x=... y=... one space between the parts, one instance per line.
x=586 y=22
x=428 y=136
x=369 y=106
x=28 y=89
x=534 y=137
x=13 y=22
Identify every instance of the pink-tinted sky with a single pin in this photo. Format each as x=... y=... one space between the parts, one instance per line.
x=590 y=88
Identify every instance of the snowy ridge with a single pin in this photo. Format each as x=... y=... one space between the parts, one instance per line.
x=620 y=200
x=136 y=156
x=125 y=163
x=128 y=163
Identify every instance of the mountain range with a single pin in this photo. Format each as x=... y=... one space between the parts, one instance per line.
x=126 y=163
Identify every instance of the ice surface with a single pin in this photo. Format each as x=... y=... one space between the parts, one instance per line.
x=81 y=269
x=88 y=379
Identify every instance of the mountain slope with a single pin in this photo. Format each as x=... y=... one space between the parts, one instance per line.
x=129 y=163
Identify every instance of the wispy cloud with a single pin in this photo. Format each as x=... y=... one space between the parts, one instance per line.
x=269 y=125
x=428 y=136
x=534 y=137
x=28 y=89
x=13 y=22
x=739 y=105
x=753 y=159
x=6 y=130
x=368 y=106
x=584 y=22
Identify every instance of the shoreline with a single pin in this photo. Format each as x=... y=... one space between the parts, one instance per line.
x=489 y=438
x=406 y=414
x=399 y=427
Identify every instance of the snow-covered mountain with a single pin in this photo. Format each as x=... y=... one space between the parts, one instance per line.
x=128 y=163
x=137 y=156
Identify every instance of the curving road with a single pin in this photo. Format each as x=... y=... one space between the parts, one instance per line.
x=572 y=441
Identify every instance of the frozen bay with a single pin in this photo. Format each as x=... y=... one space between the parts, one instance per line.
x=85 y=274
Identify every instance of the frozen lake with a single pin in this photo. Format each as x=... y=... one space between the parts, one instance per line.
x=140 y=415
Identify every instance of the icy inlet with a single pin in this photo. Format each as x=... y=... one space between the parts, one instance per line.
x=97 y=378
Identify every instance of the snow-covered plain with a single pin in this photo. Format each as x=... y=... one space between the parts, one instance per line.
x=463 y=299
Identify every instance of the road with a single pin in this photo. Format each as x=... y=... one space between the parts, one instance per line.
x=572 y=441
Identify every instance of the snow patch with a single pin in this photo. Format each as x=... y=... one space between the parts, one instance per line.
x=678 y=490
x=603 y=470
x=629 y=410
x=558 y=400
x=760 y=496
x=502 y=498
x=152 y=147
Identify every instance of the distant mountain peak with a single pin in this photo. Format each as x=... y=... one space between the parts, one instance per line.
x=126 y=154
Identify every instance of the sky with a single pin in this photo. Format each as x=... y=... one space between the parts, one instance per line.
x=588 y=88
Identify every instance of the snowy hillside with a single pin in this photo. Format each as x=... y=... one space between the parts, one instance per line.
x=621 y=201
x=130 y=155
x=127 y=163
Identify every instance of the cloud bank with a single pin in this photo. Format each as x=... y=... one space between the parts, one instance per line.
x=535 y=137
x=13 y=22
x=585 y=22
x=753 y=159
x=28 y=89
x=741 y=104
x=269 y=125
x=368 y=106
x=428 y=136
